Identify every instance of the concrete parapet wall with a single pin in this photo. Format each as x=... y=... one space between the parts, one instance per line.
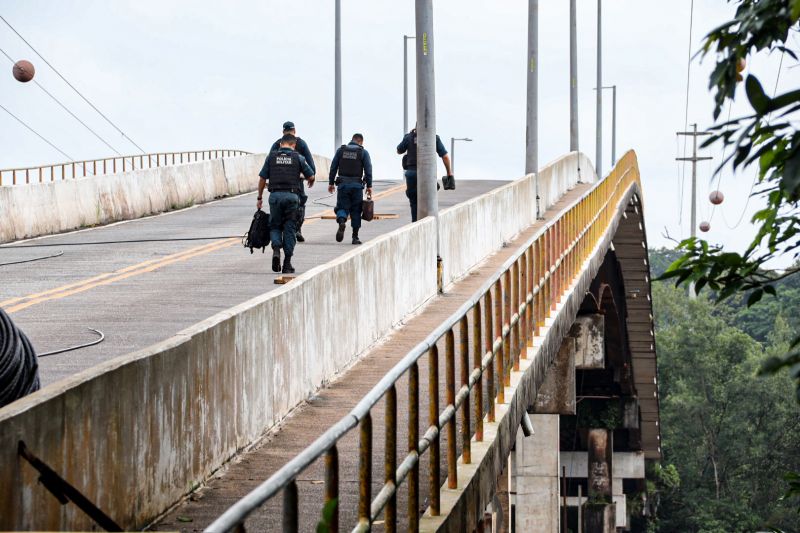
x=138 y=432
x=36 y=209
x=473 y=230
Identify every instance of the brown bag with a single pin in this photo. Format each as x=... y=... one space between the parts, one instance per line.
x=368 y=209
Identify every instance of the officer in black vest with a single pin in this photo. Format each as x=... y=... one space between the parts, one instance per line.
x=353 y=164
x=408 y=146
x=282 y=174
x=302 y=149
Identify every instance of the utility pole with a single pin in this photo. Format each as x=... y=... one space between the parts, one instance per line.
x=532 y=114
x=426 y=112
x=337 y=96
x=694 y=159
x=405 y=82
x=573 y=76
x=598 y=158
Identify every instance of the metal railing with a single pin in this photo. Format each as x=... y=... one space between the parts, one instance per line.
x=108 y=165
x=510 y=307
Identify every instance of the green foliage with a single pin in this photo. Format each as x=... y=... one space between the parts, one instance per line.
x=728 y=434
x=328 y=513
x=606 y=414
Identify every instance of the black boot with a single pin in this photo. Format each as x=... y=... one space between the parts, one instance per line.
x=276 y=259
x=342 y=226
x=287 y=265
x=300 y=237
x=355 y=236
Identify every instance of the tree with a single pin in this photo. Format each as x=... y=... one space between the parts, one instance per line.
x=729 y=433
x=765 y=139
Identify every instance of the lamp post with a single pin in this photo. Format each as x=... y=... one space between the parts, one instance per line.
x=337 y=74
x=426 y=113
x=405 y=81
x=573 y=77
x=453 y=151
x=598 y=157
x=613 y=122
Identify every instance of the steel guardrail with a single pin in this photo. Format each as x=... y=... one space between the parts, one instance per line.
x=108 y=165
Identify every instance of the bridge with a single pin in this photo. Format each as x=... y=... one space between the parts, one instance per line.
x=485 y=367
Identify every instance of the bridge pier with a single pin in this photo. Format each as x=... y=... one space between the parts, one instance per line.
x=599 y=510
x=535 y=479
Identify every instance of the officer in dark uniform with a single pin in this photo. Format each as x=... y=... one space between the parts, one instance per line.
x=353 y=164
x=302 y=149
x=408 y=146
x=281 y=174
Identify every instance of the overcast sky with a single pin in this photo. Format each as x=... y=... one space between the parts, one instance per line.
x=185 y=75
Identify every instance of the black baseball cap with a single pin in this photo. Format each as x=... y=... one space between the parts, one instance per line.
x=288 y=125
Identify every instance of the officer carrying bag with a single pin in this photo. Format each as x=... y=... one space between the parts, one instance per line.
x=368 y=209
x=258 y=235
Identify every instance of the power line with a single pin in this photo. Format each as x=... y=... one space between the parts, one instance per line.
x=56 y=100
x=15 y=117
x=72 y=86
x=755 y=178
x=724 y=149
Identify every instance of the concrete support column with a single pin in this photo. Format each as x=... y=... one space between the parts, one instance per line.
x=537 y=477
x=501 y=505
x=599 y=512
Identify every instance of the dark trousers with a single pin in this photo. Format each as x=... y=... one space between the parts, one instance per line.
x=349 y=201
x=411 y=192
x=301 y=211
x=283 y=209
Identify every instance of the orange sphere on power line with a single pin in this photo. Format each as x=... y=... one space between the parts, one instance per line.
x=705 y=226
x=716 y=197
x=740 y=66
x=23 y=71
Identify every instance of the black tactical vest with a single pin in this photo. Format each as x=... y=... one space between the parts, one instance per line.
x=351 y=162
x=411 y=152
x=284 y=171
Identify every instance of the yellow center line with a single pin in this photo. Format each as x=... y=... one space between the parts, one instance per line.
x=95 y=279
x=23 y=302
x=64 y=287
x=124 y=274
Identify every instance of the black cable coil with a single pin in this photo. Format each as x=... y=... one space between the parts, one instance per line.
x=19 y=369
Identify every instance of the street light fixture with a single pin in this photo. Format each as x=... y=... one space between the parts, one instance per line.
x=405 y=81
x=453 y=151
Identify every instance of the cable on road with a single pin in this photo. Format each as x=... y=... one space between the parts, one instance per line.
x=59 y=254
x=101 y=338
x=319 y=201
x=19 y=370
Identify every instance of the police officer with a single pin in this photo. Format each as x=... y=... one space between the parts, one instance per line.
x=302 y=149
x=408 y=146
x=353 y=164
x=281 y=174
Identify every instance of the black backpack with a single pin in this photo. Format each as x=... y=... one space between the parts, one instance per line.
x=258 y=235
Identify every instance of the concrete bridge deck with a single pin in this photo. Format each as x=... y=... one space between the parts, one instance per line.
x=309 y=420
x=142 y=293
